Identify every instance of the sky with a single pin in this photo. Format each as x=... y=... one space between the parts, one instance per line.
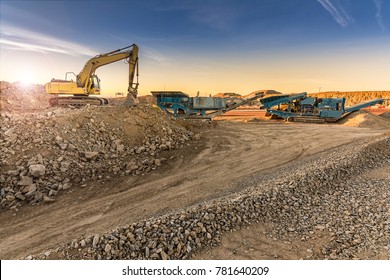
x=210 y=46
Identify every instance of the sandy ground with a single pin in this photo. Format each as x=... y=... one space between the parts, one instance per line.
x=254 y=243
x=213 y=166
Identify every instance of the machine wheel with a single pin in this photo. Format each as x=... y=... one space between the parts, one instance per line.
x=290 y=119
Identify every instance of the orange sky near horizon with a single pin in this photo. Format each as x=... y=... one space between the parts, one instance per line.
x=294 y=71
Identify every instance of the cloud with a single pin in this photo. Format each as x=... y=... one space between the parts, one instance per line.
x=378 y=15
x=154 y=55
x=16 y=38
x=338 y=13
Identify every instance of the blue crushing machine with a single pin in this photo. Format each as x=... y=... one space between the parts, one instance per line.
x=301 y=108
x=181 y=105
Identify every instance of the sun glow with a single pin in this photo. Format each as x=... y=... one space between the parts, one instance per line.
x=27 y=78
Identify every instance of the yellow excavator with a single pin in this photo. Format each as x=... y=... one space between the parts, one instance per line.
x=77 y=93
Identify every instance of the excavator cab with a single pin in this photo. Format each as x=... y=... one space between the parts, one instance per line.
x=95 y=84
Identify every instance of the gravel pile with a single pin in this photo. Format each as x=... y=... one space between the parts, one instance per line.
x=44 y=153
x=19 y=97
x=362 y=118
x=325 y=194
x=386 y=115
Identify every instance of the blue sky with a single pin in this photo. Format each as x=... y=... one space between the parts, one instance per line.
x=209 y=46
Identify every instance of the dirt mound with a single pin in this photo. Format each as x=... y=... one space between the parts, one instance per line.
x=18 y=97
x=266 y=92
x=255 y=120
x=147 y=99
x=365 y=119
x=143 y=99
x=46 y=152
x=385 y=115
x=228 y=95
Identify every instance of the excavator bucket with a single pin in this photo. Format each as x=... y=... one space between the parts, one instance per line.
x=131 y=99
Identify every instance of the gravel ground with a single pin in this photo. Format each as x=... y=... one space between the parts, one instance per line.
x=44 y=153
x=325 y=193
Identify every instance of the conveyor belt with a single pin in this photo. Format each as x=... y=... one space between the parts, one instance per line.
x=363 y=105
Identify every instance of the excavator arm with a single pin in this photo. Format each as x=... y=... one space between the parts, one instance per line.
x=130 y=53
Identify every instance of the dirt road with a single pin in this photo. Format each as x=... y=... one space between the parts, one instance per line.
x=224 y=157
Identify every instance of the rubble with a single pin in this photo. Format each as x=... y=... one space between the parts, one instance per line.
x=17 y=97
x=45 y=153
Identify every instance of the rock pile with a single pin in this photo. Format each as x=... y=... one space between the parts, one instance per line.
x=385 y=115
x=46 y=152
x=19 y=97
x=317 y=196
x=365 y=119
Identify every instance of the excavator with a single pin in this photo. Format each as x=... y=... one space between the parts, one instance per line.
x=77 y=93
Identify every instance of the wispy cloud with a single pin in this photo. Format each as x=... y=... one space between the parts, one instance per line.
x=378 y=15
x=16 y=38
x=337 y=12
x=154 y=55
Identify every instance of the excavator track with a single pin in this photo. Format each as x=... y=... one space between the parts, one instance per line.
x=77 y=101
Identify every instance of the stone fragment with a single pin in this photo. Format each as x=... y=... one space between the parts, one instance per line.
x=47 y=199
x=25 y=181
x=30 y=188
x=107 y=248
x=20 y=196
x=95 y=240
x=163 y=147
x=13 y=172
x=164 y=256
x=91 y=155
x=37 y=170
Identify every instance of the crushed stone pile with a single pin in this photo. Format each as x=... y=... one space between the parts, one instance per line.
x=143 y=99
x=363 y=118
x=16 y=97
x=324 y=194
x=385 y=115
x=228 y=95
x=44 y=153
